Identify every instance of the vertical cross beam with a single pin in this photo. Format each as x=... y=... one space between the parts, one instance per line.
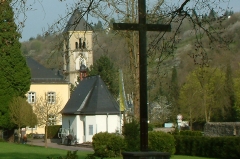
x=142 y=27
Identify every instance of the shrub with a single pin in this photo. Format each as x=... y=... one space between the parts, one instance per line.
x=190 y=133
x=53 y=131
x=107 y=145
x=2 y=140
x=131 y=133
x=161 y=141
x=213 y=147
x=70 y=155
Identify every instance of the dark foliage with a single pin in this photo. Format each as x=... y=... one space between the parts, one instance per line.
x=53 y=131
x=14 y=73
x=213 y=147
x=108 y=145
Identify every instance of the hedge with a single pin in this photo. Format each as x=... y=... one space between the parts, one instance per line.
x=213 y=147
x=161 y=141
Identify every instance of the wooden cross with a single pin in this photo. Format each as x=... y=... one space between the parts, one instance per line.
x=142 y=27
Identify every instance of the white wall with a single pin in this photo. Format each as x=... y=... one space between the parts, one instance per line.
x=100 y=123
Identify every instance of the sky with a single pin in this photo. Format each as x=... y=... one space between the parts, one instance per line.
x=46 y=12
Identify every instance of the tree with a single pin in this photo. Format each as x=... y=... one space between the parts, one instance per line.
x=160 y=111
x=230 y=114
x=21 y=113
x=204 y=87
x=109 y=74
x=14 y=73
x=98 y=26
x=162 y=45
x=236 y=82
x=190 y=99
x=212 y=14
x=174 y=94
x=47 y=110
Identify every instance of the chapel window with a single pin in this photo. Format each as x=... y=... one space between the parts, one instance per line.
x=90 y=129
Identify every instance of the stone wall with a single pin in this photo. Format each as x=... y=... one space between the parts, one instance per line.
x=216 y=129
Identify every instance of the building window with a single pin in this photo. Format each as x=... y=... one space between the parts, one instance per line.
x=31 y=97
x=80 y=43
x=84 y=45
x=76 y=45
x=51 y=120
x=90 y=129
x=51 y=97
x=32 y=128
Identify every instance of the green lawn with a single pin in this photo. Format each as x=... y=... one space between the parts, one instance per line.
x=20 y=151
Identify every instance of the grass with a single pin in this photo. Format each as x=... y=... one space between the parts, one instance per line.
x=20 y=151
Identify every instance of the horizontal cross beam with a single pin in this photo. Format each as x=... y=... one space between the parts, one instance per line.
x=148 y=27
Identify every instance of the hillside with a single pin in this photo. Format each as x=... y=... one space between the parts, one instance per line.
x=47 y=50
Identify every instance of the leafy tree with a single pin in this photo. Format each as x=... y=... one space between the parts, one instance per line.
x=14 y=73
x=190 y=99
x=230 y=114
x=109 y=74
x=21 y=113
x=162 y=45
x=237 y=96
x=206 y=86
x=36 y=45
x=47 y=112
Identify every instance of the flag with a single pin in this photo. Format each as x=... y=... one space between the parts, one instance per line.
x=122 y=97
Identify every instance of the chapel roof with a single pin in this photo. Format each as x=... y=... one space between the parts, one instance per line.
x=91 y=97
x=77 y=23
x=40 y=74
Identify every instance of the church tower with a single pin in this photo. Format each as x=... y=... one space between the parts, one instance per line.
x=78 y=53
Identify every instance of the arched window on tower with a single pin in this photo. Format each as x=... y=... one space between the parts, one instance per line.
x=80 y=43
x=76 y=45
x=84 y=45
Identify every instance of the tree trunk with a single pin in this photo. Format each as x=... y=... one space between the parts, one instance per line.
x=46 y=130
x=19 y=134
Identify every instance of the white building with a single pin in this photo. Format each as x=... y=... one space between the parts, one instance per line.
x=91 y=109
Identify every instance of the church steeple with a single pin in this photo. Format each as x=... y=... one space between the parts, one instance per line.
x=77 y=46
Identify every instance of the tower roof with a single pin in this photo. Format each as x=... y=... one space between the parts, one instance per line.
x=77 y=23
x=91 y=97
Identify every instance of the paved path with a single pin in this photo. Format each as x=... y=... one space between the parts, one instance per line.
x=40 y=142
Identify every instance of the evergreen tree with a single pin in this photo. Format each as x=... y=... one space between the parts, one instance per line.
x=212 y=15
x=98 y=26
x=109 y=74
x=174 y=94
x=14 y=73
x=230 y=96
